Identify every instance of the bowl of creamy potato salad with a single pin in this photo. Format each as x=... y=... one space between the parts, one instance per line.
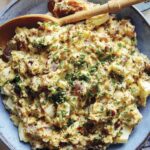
x=79 y=86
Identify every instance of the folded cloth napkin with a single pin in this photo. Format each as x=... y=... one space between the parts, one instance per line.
x=3 y=3
x=7 y=7
x=144 y=6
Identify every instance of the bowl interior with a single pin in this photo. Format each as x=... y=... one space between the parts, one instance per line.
x=8 y=132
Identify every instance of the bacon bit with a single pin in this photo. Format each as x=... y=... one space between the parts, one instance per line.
x=113 y=113
x=116 y=76
x=79 y=128
x=147 y=68
x=63 y=144
x=6 y=54
x=105 y=131
x=88 y=128
x=21 y=45
x=42 y=28
x=95 y=145
x=7 y=51
x=51 y=5
x=74 y=5
x=78 y=88
x=117 y=124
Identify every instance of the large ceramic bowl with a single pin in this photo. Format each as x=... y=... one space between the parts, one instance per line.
x=8 y=132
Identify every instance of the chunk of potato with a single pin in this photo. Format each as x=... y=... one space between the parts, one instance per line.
x=22 y=134
x=97 y=21
x=126 y=131
x=144 y=91
x=6 y=74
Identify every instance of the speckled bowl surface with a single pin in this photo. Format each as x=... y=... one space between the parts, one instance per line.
x=9 y=133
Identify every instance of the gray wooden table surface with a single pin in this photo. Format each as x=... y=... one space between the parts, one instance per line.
x=146 y=13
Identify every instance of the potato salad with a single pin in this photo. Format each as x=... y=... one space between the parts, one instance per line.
x=76 y=87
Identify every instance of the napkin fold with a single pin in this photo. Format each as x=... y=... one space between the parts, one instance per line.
x=3 y=11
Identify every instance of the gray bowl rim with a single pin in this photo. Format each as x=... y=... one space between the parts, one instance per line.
x=6 y=142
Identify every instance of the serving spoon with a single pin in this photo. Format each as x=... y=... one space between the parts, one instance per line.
x=7 y=30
